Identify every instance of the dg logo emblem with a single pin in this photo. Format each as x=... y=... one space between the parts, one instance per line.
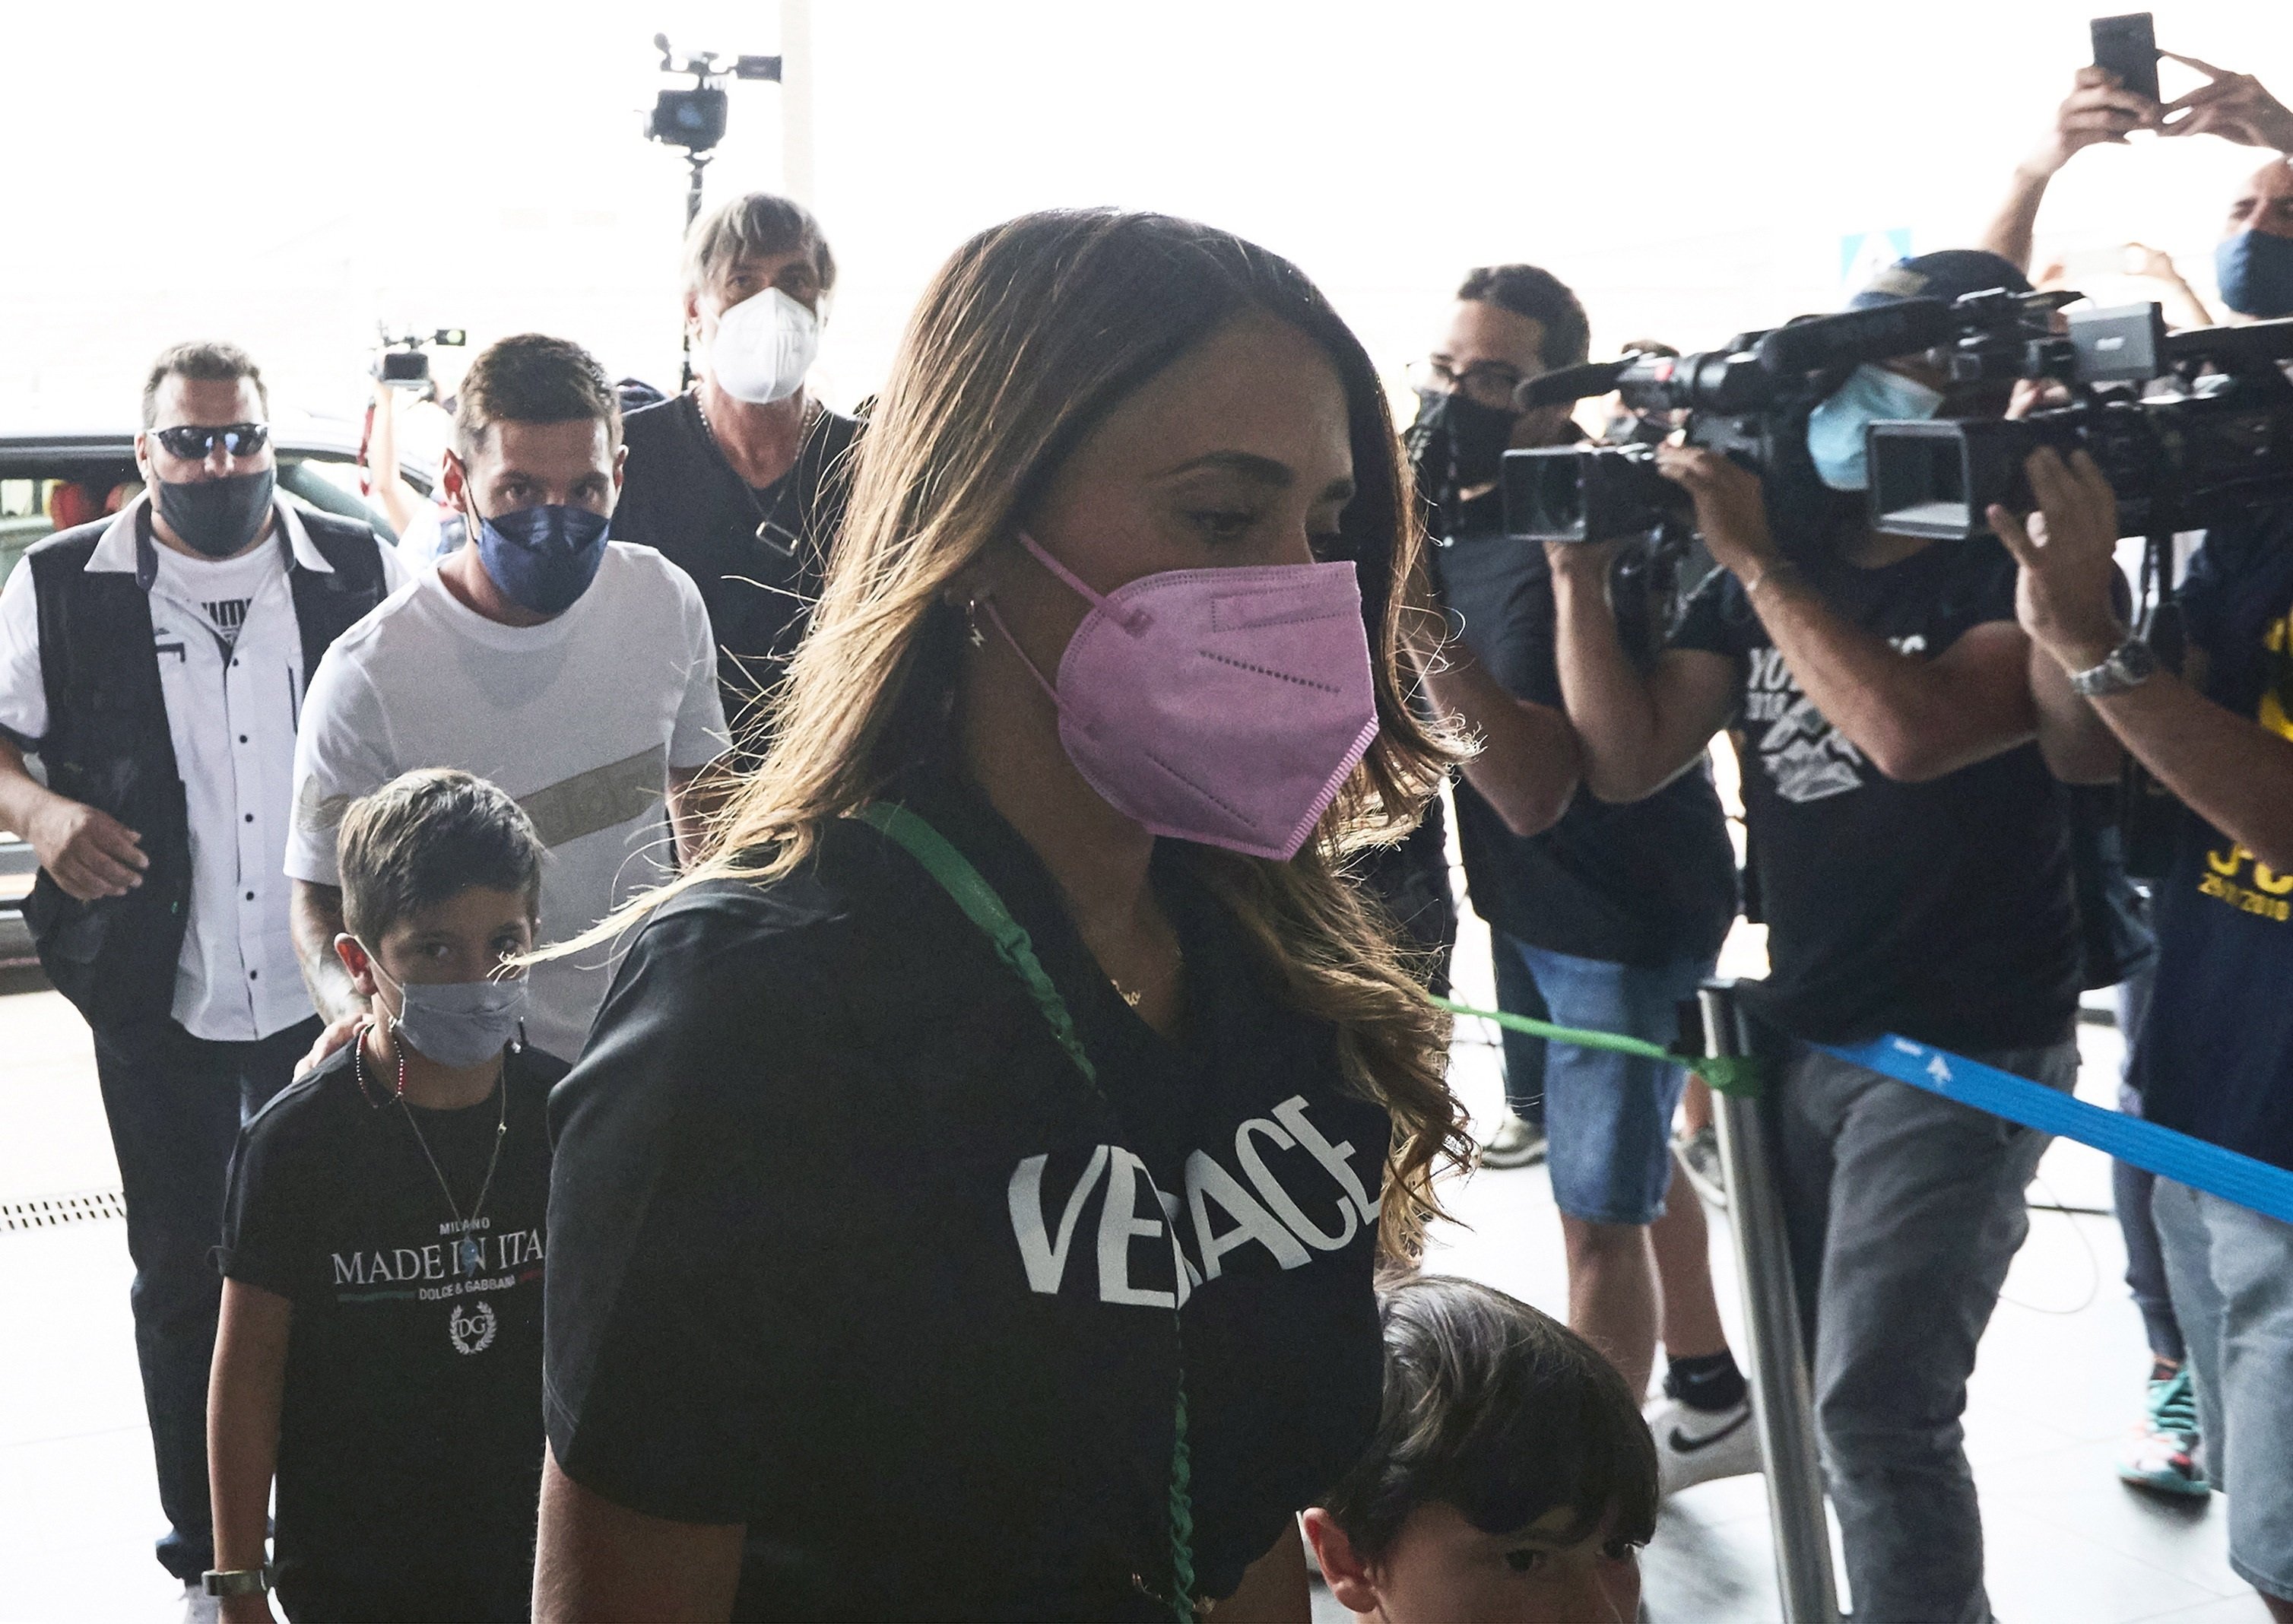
x=472 y=1329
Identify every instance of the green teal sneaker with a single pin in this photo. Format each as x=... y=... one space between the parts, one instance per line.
x=2162 y=1454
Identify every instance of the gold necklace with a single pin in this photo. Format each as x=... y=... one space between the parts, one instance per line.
x=1131 y=995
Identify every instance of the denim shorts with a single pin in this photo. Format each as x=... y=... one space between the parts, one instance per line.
x=2232 y=1274
x=1607 y=1116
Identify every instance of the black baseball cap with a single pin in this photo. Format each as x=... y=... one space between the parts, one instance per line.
x=1945 y=274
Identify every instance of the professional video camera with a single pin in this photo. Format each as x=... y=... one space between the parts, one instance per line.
x=403 y=361
x=1749 y=399
x=2214 y=444
x=693 y=118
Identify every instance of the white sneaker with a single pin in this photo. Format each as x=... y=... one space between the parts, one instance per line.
x=1699 y=1159
x=1516 y=1144
x=1694 y=1446
x=198 y=1606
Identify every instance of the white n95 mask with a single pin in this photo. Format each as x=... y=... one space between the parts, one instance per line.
x=763 y=348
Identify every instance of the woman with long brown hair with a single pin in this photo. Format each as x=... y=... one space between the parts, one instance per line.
x=967 y=1202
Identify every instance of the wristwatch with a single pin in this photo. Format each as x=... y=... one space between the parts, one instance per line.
x=236 y=1581
x=2129 y=665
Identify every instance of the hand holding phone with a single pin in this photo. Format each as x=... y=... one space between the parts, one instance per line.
x=2126 y=48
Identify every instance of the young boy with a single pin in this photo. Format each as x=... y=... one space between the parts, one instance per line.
x=1510 y=1477
x=380 y=1348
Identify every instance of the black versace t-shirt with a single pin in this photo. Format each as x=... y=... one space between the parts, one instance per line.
x=1645 y=883
x=1941 y=910
x=409 y=1443
x=845 y=1247
x=758 y=555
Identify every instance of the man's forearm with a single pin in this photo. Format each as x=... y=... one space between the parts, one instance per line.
x=1527 y=768
x=1905 y=714
x=694 y=798
x=2077 y=744
x=2235 y=775
x=317 y=916
x=21 y=795
x=2014 y=227
x=1607 y=697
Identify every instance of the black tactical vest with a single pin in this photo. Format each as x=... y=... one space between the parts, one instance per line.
x=108 y=745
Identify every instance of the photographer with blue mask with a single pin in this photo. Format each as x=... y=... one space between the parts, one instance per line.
x=1908 y=847
x=579 y=674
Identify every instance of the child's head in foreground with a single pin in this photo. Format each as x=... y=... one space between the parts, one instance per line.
x=1511 y=1478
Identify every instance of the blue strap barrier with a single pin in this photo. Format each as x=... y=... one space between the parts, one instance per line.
x=2169 y=1154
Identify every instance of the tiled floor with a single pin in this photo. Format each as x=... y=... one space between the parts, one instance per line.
x=2059 y=1383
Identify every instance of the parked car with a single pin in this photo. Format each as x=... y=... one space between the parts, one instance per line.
x=46 y=475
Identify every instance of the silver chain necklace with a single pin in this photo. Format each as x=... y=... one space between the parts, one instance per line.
x=770 y=531
x=466 y=1246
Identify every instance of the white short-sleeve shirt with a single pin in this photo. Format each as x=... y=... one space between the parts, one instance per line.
x=581 y=718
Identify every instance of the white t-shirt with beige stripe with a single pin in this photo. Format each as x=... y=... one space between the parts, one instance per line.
x=581 y=719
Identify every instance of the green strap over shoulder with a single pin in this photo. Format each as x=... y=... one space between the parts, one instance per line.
x=969 y=890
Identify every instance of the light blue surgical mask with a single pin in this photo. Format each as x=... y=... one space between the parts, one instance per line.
x=1835 y=428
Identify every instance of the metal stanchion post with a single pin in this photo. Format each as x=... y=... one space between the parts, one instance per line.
x=1782 y=1404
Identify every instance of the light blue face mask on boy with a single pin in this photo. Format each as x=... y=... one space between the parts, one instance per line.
x=1835 y=428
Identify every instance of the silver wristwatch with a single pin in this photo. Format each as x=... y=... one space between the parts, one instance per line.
x=2129 y=665
x=236 y=1581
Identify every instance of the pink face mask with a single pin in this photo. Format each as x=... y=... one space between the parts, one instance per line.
x=1225 y=706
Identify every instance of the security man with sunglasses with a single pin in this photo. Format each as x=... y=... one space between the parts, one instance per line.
x=156 y=661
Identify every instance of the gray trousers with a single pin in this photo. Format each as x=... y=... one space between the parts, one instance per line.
x=1904 y=1210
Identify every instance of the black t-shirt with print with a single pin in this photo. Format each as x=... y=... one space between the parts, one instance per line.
x=2215 y=1056
x=409 y=1443
x=1644 y=883
x=1941 y=910
x=682 y=497
x=843 y=1247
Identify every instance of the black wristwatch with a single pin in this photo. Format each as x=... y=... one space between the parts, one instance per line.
x=236 y=1581
x=2128 y=666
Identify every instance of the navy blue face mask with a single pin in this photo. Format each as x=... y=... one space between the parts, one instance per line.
x=2255 y=273
x=543 y=558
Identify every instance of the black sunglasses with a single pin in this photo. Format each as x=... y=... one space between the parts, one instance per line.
x=195 y=443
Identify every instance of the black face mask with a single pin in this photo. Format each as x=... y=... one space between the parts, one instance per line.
x=1457 y=444
x=217 y=518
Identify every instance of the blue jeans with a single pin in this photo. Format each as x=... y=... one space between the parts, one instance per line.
x=175 y=1103
x=1607 y=1116
x=2233 y=1276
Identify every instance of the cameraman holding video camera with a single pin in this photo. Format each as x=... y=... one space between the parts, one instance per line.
x=1600 y=916
x=1908 y=847
x=2214 y=1058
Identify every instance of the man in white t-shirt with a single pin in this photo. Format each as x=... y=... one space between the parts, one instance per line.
x=156 y=663
x=577 y=673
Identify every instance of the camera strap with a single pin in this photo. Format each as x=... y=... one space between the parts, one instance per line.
x=969 y=890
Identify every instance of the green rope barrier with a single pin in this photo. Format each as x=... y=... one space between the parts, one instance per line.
x=1728 y=1074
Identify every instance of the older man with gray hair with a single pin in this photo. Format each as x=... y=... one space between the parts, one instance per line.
x=742 y=480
